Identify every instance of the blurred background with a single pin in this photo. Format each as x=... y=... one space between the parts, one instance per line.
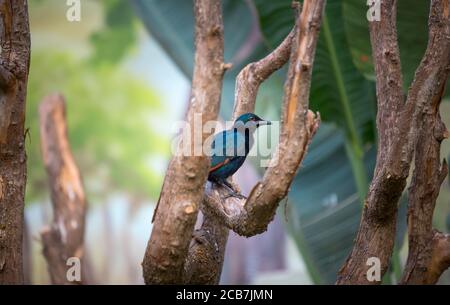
x=125 y=71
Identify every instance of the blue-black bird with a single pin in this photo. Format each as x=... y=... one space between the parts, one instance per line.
x=231 y=147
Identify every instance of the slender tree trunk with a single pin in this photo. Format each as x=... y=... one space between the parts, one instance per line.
x=14 y=65
x=64 y=238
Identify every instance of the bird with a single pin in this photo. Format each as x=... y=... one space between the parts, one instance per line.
x=230 y=148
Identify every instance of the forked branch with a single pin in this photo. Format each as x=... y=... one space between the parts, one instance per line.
x=429 y=250
x=400 y=126
x=207 y=249
x=252 y=216
x=206 y=253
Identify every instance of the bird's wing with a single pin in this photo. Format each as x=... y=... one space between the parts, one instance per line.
x=226 y=146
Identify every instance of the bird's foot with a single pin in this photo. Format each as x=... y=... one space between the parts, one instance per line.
x=229 y=186
x=232 y=191
x=234 y=194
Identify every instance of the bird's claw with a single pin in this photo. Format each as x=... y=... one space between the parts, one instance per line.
x=231 y=191
x=236 y=195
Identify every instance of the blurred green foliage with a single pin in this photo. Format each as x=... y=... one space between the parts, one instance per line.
x=109 y=126
x=338 y=90
x=412 y=29
x=171 y=24
x=114 y=140
x=118 y=35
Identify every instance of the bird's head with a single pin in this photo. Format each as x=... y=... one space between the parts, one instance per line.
x=250 y=121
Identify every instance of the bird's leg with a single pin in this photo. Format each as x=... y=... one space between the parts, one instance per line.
x=233 y=192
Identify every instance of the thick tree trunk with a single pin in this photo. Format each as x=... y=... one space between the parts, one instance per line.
x=14 y=65
x=207 y=249
x=64 y=238
x=399 y=124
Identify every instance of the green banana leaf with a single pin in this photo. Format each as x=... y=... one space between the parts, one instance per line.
x=338 y=90
x=412 y=29
x=171 y=23
x=324 y=209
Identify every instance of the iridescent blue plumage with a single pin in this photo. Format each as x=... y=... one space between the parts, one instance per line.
x=228 y=153
x=231 y=147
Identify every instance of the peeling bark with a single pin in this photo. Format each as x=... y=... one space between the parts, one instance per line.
x=440 y=258
x=65 y=237
x=14 y=65
x=254 y=74
x=400 y=124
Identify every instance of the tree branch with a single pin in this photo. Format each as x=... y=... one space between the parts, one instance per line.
x=64 y=238
x=398 y=130
x=252 y=216
x=182 y=190
x=425 y=262
x=254 y=74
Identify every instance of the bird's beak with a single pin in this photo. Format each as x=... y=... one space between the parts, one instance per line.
x=261 y=123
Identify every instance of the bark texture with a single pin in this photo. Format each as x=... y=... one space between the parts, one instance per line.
x=182 y=190
x=65 y=237
x=252 y=216
x=400 y=126
x=429 y=250
x=206 y=253
x=14 y=65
